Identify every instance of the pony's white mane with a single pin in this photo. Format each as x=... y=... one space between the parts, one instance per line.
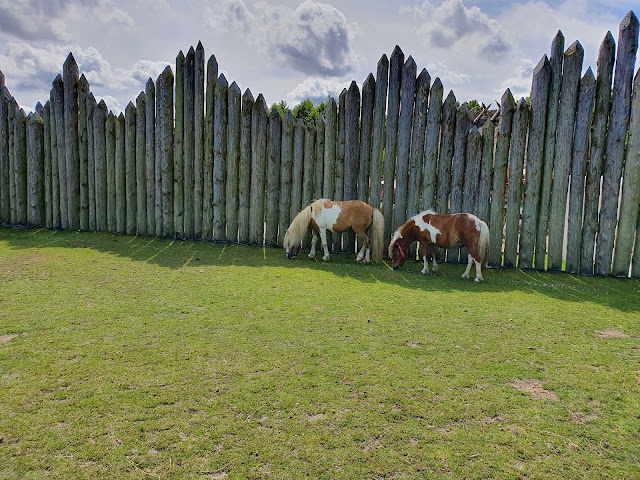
x=397 y=235
x=300 y=223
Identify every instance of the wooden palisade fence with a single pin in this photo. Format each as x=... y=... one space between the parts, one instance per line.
x=557 y=179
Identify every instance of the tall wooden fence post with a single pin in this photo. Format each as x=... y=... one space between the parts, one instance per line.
x=366 y=132
x=606 y=58
x=379 y=117
x=178 y=147
x=297 y=166
x=189 y=144
x=244 y=174
x=555 y=62
x=36 y=170
x=83 y=153
x=564 y=144
x=130 y=168
x=48 y=202
x=220 y=157
x=431 y=146
x=199 y=127
x=150 y=163
x=630 y=190
x=55 y=171
x=274 y=142
x=70 y=76
x=207 y=187
x=5 y=214
x=258 y=163
x=58 y=93
x=486 y=169
x=234 y=104
x=20 y=167
x=165 y=147
x=120 y=178
x=579 y=160
x=286 y=167
x=100 y=156
x=141 y=179
x=496 y=214
x=535 y=151
x=618 y=122
x=91 y=161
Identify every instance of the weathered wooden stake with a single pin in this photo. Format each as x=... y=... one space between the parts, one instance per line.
x=432 y=140
x=339 y=166
x=121 y=194
x=274 y=141
x=630 y=190
x=366 y=132
x=130 y=168
x=189 y=145
x=55 y=171
x=488 y=131
x=564 y=144
x=58 y=93
x=286 y=166
x=178 y=147
x=377 y=142
x=496 y=214
x=164 y=129
x=83 y=152
x=70 y=75
x=207 y=185
x=618 y=122
x=516 y=164
x=100 y=155
x=297 y=168
x=199 y=127
x=219 y=158
x=244 y=174
x=318 y=173
x=258 y=164
x=472 y=171
x=47 y=163
x=555 y=62
x=535 y=152
x=579 y=161
x=5 y=213
x=20 y=166
x=36 y=170
x=141 y=179
x=606 y=58
x=91 y=162
x=150 y=163
x=234 y=104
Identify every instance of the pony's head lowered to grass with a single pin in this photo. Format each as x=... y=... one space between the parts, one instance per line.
x=296 y=231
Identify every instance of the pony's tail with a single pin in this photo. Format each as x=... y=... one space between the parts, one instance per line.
x=377 y=235
x=483 y=243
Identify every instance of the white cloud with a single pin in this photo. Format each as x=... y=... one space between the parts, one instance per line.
x=316 y=89
x=30 y=68
x=315 y=38
x=45 y=19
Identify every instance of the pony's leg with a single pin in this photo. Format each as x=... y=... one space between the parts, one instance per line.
x=314 y=239
x=478 y=278
x=323 y=239
x=365 y=245
x=469 y=263
x=432 y=249
x=425 y=258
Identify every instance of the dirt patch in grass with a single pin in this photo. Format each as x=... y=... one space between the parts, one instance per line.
x=6 y=338
x=534 y=388
x=611 y=333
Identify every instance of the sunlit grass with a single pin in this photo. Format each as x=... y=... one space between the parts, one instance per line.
x=146 y=358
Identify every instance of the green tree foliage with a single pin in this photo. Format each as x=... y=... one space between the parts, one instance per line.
x=305 y=110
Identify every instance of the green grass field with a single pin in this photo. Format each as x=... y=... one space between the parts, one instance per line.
x=136 y=358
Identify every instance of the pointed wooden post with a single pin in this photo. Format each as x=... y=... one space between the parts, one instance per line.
x=244 y=174
x=496 y=214
x=377 y=143
x=416 y=164
x=207 y=187
x=71 y=74
x=36 y=192
x=83 y=153
x=297 y=167
x=58 y=93
x=472 y=171
x=164 y=131
x=274 y=141
x=219 y=158
x=130 y=168
x=366 y=139
x=443 y=185
x=150 y=163
x=318 y=168
x=555 y=62
x=564 y=146
x=100 y=157
x=431 y=147
x=46 y=117
x=307 y=165
x=20 y=167
x=12 y=110
x=258 y=165
x=120 y=178
x=516 y=165
x=488 y=131
x=141 y=180
x=630 y=190
x=91 y=162
x=189 y=144
x=178 y=150
x=407 y=100
x=535 y=151
x=286 y=166
x=579 y=160
x=618 y=122
x=234 y=104
x=55 y=171
x=198 y=124
x=606 y=58
x=391 y=141
x=339 y=165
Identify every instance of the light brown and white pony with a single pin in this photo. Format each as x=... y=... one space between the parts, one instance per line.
x=323 y=215
x=442 y=230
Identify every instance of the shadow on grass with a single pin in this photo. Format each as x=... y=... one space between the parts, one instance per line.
x=619 y=293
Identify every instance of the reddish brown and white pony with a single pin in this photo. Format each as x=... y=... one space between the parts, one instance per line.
x=323 y=215
x=442 y=230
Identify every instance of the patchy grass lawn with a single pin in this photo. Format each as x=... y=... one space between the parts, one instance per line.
x=138 y=358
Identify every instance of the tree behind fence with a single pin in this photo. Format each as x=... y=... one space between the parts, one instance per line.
x=557 y=179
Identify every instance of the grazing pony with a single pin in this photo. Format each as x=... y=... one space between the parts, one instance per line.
x=442 y=230
x=323 y=215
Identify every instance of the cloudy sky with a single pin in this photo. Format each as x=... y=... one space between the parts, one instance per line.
x=290 y=50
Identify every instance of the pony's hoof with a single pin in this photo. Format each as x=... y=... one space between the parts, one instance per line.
x=325 y=259
x=434 y=269
x=424 y=271
x=478 y=279
x=465 y=275
x=310 y=256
